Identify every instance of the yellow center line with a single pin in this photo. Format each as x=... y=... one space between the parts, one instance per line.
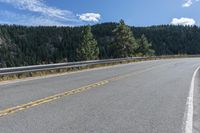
x=31 y=104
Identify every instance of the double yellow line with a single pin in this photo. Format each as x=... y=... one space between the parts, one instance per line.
x=22 y=107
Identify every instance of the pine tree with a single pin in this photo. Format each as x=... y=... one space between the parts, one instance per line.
x=124 y=43
x=88 y=49
x=144 y=46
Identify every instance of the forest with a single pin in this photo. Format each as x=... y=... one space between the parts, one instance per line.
x=25 y=45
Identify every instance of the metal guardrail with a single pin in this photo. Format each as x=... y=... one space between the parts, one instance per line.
x=35 y=68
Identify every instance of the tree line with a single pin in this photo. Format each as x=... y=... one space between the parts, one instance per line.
x=21 y=45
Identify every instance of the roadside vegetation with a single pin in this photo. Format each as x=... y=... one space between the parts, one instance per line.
x=22 y=46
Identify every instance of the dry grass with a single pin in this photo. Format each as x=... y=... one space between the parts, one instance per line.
x=67 y=69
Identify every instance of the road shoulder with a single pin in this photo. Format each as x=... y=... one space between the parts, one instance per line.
x=196 y=115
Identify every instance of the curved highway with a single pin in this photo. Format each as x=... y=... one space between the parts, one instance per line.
x=143 y=97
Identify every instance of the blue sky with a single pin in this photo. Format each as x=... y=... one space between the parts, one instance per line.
x=81 y=12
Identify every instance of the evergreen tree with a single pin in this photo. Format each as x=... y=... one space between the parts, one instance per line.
x=144 y=46
x=21 y=45
x=88 y=49
x=124 y=43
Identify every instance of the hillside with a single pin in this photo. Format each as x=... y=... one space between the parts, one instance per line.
x=20 y=45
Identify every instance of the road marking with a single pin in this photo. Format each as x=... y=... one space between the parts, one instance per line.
x=22 y=107
x=189 y=110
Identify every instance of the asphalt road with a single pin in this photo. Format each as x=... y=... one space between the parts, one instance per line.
x=144 y=97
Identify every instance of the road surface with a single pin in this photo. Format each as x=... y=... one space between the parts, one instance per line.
x=143 y=97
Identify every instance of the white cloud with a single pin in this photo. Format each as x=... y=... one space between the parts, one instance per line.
x=27 y=19
x=39 y=6
x=41 y=13
x=189 y=3
x=90 y=17
x=183 y=21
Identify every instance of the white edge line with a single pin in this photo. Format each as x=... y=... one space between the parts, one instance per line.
x=188 y=121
